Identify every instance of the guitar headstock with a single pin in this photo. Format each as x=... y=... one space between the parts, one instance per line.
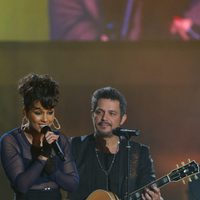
x=186 y=170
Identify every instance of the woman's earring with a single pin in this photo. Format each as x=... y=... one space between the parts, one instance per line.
x=25 y=123
x=56 y=124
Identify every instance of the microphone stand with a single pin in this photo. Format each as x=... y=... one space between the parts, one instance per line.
x=126 y=133
x=128 y=136
x=128 y=146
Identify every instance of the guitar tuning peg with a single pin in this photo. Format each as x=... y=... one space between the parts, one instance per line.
x=182 y=163
x=189 y=179
x=189 y=160
x=196 y=177
x=183 y=182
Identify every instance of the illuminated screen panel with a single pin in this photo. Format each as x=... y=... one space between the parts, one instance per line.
x=132 y=20
x=99 y=20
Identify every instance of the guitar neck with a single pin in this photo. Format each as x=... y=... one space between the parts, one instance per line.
x=137 y=195
x=187 y=170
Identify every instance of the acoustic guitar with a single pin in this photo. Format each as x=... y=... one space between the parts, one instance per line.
x=175 y=175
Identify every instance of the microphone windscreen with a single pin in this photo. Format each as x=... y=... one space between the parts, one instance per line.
x=45 y=129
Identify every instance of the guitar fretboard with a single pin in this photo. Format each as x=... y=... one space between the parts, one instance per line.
x=137 y=195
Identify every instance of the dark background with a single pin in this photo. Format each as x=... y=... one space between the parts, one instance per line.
x=160 y=80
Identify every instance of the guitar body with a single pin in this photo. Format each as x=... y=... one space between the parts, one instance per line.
x=102 y=195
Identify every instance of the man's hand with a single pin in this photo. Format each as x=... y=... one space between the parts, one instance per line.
x=152 y=194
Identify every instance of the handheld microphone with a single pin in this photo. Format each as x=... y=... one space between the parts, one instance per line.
x=55 y=145
x=125 y=132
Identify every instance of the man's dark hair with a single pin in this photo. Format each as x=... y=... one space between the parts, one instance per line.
x=109 y=93
x=43 y=88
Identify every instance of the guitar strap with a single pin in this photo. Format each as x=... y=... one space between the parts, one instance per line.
x=135 y=151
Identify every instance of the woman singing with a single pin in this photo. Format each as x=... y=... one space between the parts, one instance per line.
x=29 y=154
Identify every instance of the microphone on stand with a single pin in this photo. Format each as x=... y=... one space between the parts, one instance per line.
x=125 y=132
x=55 y=145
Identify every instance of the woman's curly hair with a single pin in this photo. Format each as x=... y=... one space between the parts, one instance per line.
x=43 y=88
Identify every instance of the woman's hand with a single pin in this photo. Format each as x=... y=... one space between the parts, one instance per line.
x=50 y=137
x=46 y=149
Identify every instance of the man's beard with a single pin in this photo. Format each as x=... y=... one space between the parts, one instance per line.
x=104 y=134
